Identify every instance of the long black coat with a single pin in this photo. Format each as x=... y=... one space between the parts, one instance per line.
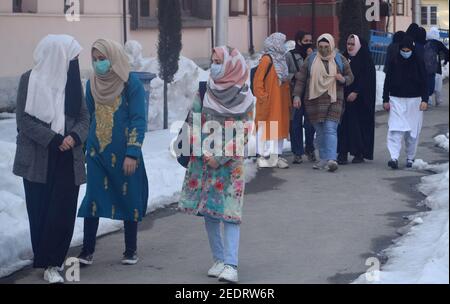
x=357 y=129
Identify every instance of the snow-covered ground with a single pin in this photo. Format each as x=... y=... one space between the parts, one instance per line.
x=180 y=92
x=422 y=254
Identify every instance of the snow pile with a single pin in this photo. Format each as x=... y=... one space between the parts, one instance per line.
x=181 y=91
x=421 y=256
x=442 y=141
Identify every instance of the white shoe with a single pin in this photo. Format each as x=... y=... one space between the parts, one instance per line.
x=320 y=165
x=332 y=166
x=216 y=270
x=267 y=163
x=282 y=163
x=52 y=276
x=229 y=275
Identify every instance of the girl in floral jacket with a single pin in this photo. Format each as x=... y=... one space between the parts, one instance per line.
x=214 y=183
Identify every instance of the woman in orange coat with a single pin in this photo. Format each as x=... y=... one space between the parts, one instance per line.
x=271 y=88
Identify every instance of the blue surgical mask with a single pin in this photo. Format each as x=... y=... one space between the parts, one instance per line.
x=216 y=71
x=405 y=55
x=102 y=67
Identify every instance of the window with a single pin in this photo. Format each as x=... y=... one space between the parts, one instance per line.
x=25 y=6
x=428 y=15
x=400 y=7
x=148 y=8
x=238 y=7
x=17 y=6
x=195 y=13
x=433 y=15
x=186 y=8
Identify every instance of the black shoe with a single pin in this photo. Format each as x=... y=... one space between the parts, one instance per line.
x=358 y=160
x=297 y=159
x=85 y=258
x=393 y=163
x=130 y=258
x=342 y=159
x=409 y=163
x=311 y=156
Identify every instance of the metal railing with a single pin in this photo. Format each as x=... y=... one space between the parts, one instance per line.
x=378 y=45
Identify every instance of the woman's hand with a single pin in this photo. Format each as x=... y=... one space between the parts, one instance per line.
x=340 y=78
x=67 y=144
x=387 y=106
x=297 y=103
x=210 y=160
x=129 y=166
x=423 y=106
x=352 y=97
x=213 y=163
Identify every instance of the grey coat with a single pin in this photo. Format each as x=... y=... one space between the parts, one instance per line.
x=291 y=65
x=31 y=161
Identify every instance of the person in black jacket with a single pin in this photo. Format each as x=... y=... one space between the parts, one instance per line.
x=405 y=96
x=392 y=49
x=299 y=120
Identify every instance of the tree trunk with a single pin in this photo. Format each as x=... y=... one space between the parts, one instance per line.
x=166 y=108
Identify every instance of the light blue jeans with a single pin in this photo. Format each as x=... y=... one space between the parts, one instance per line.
x=327 y=139
x=224 y=249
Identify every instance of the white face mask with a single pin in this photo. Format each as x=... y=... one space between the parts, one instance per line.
x=216 y=71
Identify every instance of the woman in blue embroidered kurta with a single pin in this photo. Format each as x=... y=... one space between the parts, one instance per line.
x=117 y=185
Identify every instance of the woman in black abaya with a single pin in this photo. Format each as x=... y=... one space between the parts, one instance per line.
x=357 y=130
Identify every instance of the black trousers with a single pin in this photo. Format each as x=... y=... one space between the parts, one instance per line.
x=52 y=211
x=90 y=235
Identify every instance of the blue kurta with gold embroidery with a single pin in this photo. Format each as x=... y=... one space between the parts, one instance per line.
x=116 y=131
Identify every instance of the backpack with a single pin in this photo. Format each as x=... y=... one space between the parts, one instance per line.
x=431 y=58
x=337 y=59
x=253 y=72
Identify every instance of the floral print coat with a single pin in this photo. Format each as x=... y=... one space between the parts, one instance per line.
x=217 y=193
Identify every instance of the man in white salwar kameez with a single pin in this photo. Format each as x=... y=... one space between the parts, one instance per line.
x=405 y=122
x=405 y=97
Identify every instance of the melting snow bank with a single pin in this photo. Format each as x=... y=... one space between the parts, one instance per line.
x=421 y=256
x=165 y=178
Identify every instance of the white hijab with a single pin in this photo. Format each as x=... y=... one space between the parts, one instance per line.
x=47 y=84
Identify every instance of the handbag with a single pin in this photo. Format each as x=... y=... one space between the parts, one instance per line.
x=182 y=159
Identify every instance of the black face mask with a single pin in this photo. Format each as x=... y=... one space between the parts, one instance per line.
x=302 y=49
x=308 y=46
x=74 y=90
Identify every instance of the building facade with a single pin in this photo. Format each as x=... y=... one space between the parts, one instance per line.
x=434 y=13
x=23 y=23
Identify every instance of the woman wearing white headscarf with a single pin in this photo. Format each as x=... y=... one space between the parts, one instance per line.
x=117 y=185
x=52 y=122
x=322 y=79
